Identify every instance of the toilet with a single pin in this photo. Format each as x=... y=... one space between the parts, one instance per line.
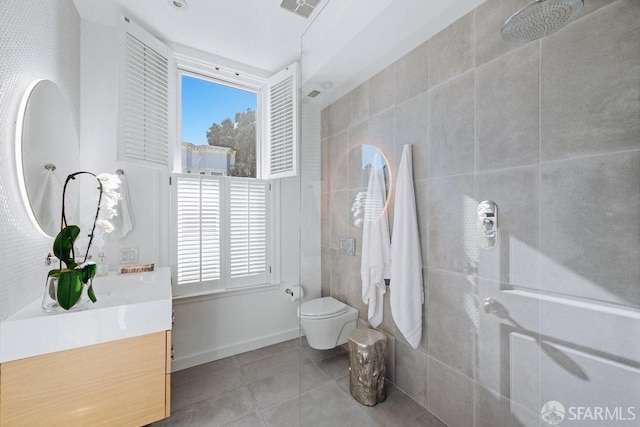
x=327 y=322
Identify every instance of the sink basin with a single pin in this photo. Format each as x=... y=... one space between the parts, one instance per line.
x=127 y=306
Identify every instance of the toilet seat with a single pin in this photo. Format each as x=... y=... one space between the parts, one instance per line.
x=323 y=308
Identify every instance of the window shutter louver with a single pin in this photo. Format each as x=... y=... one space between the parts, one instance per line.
x=248 y=233
x=282 y=159
x=197 y=222
x=221 y=232
x=145 y=106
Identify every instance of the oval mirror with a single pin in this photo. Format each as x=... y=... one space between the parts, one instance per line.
x=373 y=178
x=46 y=153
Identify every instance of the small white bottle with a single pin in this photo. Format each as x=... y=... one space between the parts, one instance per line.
x=103 y=265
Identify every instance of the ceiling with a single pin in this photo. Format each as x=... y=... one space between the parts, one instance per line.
x=258 y=33
x=342 y=43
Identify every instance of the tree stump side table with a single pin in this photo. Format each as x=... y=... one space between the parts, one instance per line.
x=367 y=356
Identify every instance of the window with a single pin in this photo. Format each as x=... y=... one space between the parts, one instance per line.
x=218 y=128
x=222 y=209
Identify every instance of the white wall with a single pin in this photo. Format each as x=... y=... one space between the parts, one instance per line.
x=38 y=40
x=206 y=328
x=148 y=187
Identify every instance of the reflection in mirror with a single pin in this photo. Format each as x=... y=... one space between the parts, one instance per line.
x=369 y=203
x=46 y=152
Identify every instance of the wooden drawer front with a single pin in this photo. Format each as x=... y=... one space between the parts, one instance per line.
x=117 y=383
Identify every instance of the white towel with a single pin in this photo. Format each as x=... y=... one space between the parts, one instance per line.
x=375 y=243
x=407 y=293
x=124 y=222
x=47 y=204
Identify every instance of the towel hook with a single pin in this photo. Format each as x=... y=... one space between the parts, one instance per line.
x=119 y=172
x=50 y=167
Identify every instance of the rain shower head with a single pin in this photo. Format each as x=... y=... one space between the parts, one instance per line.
x=539 y=19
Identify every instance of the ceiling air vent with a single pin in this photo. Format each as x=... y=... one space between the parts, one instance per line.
x=303 y=8
x=313 y=94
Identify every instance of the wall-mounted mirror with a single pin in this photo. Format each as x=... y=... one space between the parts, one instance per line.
x=46 y=152
x=374 y=178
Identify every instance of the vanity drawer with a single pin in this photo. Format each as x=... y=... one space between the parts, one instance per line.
x=116 y=383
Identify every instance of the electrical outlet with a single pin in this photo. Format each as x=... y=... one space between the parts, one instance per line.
x=124 y=254
x=128 y=255
x=133 y=255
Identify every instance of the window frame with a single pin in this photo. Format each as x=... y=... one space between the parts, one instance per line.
x=183 y=64
x=194 y=67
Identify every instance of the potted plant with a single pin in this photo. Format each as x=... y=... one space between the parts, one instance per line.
x=71 y=286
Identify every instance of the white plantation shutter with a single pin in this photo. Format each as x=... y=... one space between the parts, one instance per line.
x=145 y=106
x=197 y=216
x=248 y=232
x=282 y=159
x=221 y=232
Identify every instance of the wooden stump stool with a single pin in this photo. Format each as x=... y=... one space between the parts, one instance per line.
x=367 y=356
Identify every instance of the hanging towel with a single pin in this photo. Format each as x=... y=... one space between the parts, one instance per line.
x=375 y=243
x=407 y=293
x=124 y=222
x=47 y=204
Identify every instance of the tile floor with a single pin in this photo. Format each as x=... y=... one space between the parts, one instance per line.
x=261 y=388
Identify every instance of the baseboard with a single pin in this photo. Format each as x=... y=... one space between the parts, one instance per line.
x=195 y=359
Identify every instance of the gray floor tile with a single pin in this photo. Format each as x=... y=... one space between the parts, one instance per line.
x=216 y=411
x=316 y=355
x=264 y=352
x=326 y=406
x=251 y=420
x=205 y=386
x=191 y=374
x=427 y=420
x=283 y=386
x=336 y=366
x=272 y=365
x=218 y=393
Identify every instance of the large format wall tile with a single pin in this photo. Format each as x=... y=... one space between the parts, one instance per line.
x=340 y=214
x=411 y=372
x=359 y=104
x=382 y=90
x=453 y=313
x=494 y=410
x=339 y=115
x=325 y=185
x=450 y=395
x=358 y=136
x=507 y=110
x=422 y=210
x=412 y=73
x=579 y=378
x=590 y=244
x=490 y=16
x=515 y=259
x=590 y=84
x=451 y=51
x=452 y=224
x=339 y=167
x=411 y=128
x=451 y=127
x=507 y=313
x=339 y=275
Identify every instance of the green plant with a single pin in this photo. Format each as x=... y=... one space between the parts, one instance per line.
x=74 y=276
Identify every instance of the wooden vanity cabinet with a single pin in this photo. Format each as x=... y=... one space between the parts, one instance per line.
x=123 y=383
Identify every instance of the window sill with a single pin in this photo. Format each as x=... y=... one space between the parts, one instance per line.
x=223 y=293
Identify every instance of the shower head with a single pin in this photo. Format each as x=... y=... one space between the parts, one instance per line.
x=539 y=19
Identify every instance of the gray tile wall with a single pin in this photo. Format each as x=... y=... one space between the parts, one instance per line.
x=550 y=131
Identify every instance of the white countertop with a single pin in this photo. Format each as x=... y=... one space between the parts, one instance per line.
x=127 y=306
